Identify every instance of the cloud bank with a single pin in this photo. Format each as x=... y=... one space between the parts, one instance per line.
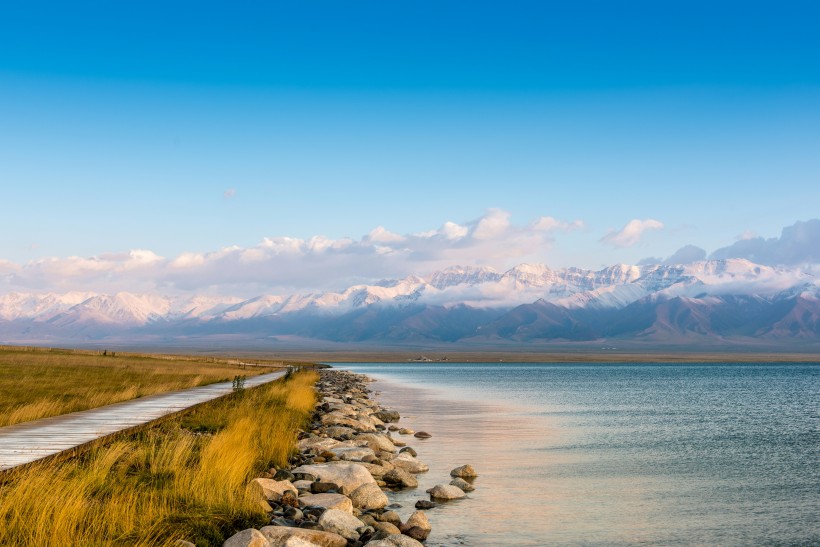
x=287 y=264
x=797 y=244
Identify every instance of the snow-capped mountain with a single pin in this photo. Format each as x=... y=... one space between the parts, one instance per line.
x=530 y=302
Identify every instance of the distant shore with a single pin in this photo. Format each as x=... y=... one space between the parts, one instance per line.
x=552 y=357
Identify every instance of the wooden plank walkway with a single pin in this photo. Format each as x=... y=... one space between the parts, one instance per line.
x=30 y=441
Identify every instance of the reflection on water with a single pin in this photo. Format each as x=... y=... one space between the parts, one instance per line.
x=603 y=455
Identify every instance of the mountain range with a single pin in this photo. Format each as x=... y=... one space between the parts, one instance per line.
x=712 y=303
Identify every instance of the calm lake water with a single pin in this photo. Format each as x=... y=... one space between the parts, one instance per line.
x=609 y=454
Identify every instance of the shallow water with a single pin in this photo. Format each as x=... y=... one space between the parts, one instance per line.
x=607 y=454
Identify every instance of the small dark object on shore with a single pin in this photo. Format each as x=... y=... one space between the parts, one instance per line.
x=424 y=504
x=422 y=435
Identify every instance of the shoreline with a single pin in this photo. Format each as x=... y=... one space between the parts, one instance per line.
x=334 y=491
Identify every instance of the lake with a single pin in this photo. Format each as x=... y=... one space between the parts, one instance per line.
x=610 y=454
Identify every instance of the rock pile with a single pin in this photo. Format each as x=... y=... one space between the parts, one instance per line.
x=332 y=495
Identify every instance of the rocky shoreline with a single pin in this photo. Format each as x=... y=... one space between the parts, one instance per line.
x=333 y=494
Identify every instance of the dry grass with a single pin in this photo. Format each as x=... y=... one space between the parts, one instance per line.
x=183 y=479
x=38 y=383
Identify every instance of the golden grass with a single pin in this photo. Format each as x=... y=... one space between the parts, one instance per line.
x=38 y=383
x=185 y=478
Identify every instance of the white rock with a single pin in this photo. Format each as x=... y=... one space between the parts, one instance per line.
x=369 y=496
x=376 y=442
x=341 y=523
x=352 y=454
x=271 y=489
x=446 y=492
x=409 y=463
x=329 y=501
x=396 y=540
x=349 y=476
x=280 y=535
x=247 y=538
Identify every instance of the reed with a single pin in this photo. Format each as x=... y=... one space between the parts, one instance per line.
x=185 y=478
x=37 y=383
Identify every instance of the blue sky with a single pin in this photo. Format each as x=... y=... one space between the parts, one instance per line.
x=187 y=127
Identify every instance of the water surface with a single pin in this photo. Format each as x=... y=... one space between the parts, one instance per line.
x=607 y=454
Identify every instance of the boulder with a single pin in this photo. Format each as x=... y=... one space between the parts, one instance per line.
x=377 y=471
x=353 y=453
x=368 y=496
x=409 y=463
x=387 y=416
x=396 y=540
x=278 y=536
x=461 y=483
x=399 y=478
x=422 y=435
x=376 y=442
x=349 y=476
x=336 y=418
x=446 y=492
x=328 y=501
x=247 y=538
x=272 y=489
x=464 y=472
x=406 y=431
x=339 y=522
x=386 y=528
x=417 y=526
x=390 y=516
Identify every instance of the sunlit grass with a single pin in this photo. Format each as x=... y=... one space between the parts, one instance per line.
x=164 y=483
x=38 y=383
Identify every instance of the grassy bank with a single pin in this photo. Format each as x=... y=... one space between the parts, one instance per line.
x=182 y=479
x=38 y=383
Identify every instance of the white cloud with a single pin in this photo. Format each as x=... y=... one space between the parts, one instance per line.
x=229 y=193
x=632 y=233
x=287 y=263
x=550 y=224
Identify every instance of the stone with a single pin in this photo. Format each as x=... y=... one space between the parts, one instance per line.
x=418 y=518
x=409 y=463
x=283 y=475
x=247 y=538
x=368 y=496
x=406 y=431
x=399 y=478
x=417 y=526
x=461 y=483
x=390 y=516
x=446 y=492
x=387 y=527
x=348 y=476
x=396 y=540
x=272 y=489
x=303 y=486
x=279 y=535
x=296 y=541
x=339 y=522
x=464 y=472
x=289 y=498
x=339 y=432
x=319 y=487
x=416 y=533
x=375 y=441
x=422 y=435
x=328 y=501
x=352 y=453
x=387 y=416
x=336 y=418
x=377 y=471
x=409 y=450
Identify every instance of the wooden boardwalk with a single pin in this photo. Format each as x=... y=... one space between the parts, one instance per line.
x=30 y=441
